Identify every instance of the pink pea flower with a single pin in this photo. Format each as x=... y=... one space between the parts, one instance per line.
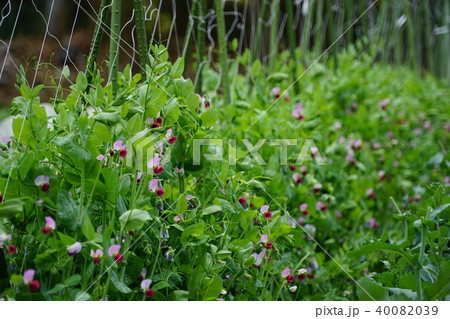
x=178 y=171
x=285 y=272
x=384 y=103
x=145 y=286
x=321 y=206
x=264 y=238
x=303 y=209
x=113 y=251
x=43 y=182
x=97 y=255
x=276 y=92
x=373 y=223
x=296 y=177
x=178 y=218
x=303 y=170
x=427 y=125
x=258 y=257
x=49 y=225
x=337 y=126
x=118 y=145
x=297 y=112
x=370 y=193
x=28 y=277
x=417 y=131
x=265 y=211
x=152 y=185
x=139 y=177
x=154 y=161
x=74 y=249
x=381 y=175
x=317 y=187
x=5 y=239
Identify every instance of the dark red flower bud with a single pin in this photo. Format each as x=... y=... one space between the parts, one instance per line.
x=324 y=208
x=149 y=293
x=159 y=120
x=155 y=125
x=207 y=105
x=301 y=276
x=305 y=212
x=46 y=230
x=34 y=285
x=118 y=258
x=269 y=245
x=290 y=278
x=301 y=117
x=1 y=198
x=45 y=187
x=299 y=180
x=268 y=215
x=158 y=169
x=292 y=167
x=123 y=152
x=97 y=260
x=111 y=153
x=172 y=139
x=242 y=200
x=11 y=249
x=311 y=276
x=159 y=192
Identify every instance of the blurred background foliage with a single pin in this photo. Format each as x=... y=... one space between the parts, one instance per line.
x=411 y=32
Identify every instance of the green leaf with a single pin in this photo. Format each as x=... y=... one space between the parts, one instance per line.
x=11 y=207
x=177 y=68
x=134 y=219
x=179 y=295
x=119 y=284
x=435 y=212
x=211 y=210
x=81 y=82
x=209 y=117
x=192 y=233
x=72 y=149
x=134 y=124
x=25 y=163
x=212 y=288
x=58 y=288
x=441 y=286
x=112 y=117
x=67 y=210
x=23 y=129
x=46 y=260
x=161 y=285
x=73 y=280
x=171 y=112
x=87 y=228
x=382 y=247
x=368 y=290
x=435 y=161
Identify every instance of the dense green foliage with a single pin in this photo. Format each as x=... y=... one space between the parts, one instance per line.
x=379 y=216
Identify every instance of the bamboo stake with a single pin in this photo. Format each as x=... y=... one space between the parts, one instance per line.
x=201 y=38
x=223 y=54
x=141 y=35
x=114 y=44
x=97 y=40
x=275 y=12
x=189 y=35
x=291 y=38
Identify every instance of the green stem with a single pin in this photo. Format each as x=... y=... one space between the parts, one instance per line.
x=189 y=35
x=141 y=35
x=114 y=44
x=275 y=12
x=97 y=40
x=291 y=38
x=223 y=55
x=108 y=280
x=201 y=38
x=259 y=29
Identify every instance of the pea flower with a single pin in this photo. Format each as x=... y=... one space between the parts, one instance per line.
x=293 y=289
x=142 y=274
x=74 y=249
x=158 y=169
x=178 y=171
x=97 y=255
x=139 y=177
x=296 y=177
x=258 y=257
x=276 y=92
x=265 y=211
x=301 y=273
x=303 y=209
x=297 y=112
x=317 y=187
x=242 y=200
x=264 y=238
x=178 y=218
x=321 y=206
x=152 y=185
x=113 y=251
x=172 y=139
x=373 y=223
x=160 y=192
x=28 y=277
x=43 y=182
x=303 y=170
x=49 y=225
x=286 y=273
x=145 y=286
x=370 y=193
x=4 y=239
x=169 y=255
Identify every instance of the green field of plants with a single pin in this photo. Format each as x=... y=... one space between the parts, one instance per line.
x=315 y=180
